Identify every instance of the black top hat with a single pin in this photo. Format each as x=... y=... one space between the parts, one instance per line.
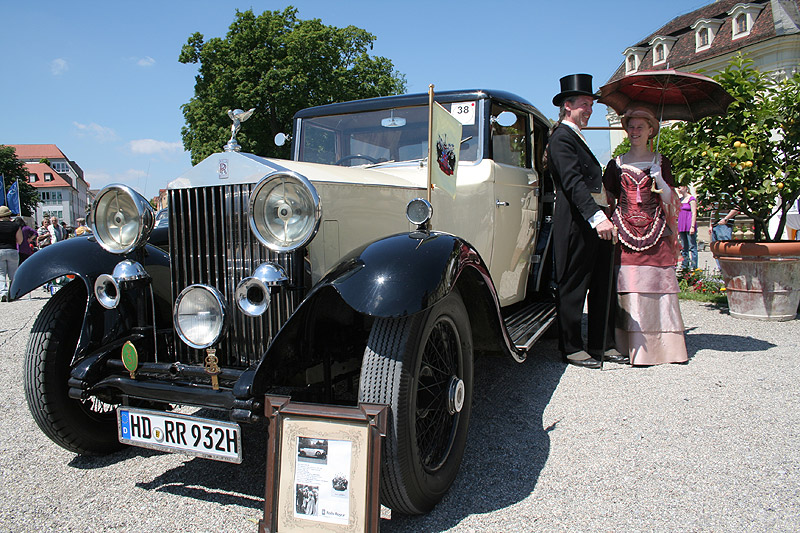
x=574 y=85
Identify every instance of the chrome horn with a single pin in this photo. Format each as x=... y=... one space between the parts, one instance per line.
x=106 y=290
x=252 y=293
x=107 y=287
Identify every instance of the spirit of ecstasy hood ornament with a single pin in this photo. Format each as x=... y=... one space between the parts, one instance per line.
x=237 y=116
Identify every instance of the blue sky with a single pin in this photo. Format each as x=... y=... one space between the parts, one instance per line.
x=102 y=79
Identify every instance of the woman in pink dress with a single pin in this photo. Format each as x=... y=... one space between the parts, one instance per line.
x=649 y=326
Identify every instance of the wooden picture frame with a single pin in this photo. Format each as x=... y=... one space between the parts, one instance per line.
x=323 y=467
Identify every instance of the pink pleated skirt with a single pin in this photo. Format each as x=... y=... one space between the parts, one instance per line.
x=649 y=326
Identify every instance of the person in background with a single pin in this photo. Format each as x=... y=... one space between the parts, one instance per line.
x=82 y=228
x=57 y=232
x=649 y=326
x=723 y=231
x=582 y=232
x=43 y=238
x=687 y=228
x=10 y=238
x=27 y=247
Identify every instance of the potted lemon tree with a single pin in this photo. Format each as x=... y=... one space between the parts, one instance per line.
x=749 y=159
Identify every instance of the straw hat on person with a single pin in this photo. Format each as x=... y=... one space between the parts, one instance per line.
x=641 y=112
x=5 y=211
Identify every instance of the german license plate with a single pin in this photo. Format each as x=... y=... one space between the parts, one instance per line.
x=172 y=432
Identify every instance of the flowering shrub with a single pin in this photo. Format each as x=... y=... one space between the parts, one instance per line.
x=700 y=281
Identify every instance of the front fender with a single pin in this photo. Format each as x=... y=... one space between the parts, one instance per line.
x=393 y=277
x=83 y=257
x=402 y=274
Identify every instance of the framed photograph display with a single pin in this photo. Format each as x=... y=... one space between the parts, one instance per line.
x=323 y=467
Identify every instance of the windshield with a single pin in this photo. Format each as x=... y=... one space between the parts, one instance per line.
x=386 y=135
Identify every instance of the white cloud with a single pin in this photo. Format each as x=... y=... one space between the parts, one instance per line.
x=98 y=132
x=146 y=61
x=97 y=179
x=58 y=66
x=152 y=146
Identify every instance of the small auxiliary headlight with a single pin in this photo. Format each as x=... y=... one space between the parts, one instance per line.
x=419 y=211
x=199 y=316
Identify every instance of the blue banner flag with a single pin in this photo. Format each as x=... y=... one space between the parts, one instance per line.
x=13 y=198
x=3 y=190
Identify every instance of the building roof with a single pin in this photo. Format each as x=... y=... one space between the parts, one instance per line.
x=39 y=169
x=779 y=17
x=38 y=151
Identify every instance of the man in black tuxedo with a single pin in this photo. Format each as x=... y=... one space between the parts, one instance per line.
x=582 y=232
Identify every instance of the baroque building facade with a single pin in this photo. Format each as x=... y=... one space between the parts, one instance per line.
x=704 y=40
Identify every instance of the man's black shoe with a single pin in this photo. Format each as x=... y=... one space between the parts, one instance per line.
x=586 y=363
x=582 y=359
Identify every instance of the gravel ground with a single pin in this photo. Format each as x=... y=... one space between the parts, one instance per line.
x=707 y=446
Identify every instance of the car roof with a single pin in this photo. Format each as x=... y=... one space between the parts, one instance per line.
x=407 y=100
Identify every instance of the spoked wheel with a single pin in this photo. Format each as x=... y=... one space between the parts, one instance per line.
x=81 y=426
x=421 y=366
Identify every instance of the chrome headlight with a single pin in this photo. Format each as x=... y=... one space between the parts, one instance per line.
x=199 y=316
x=284 y=211
x=121 y=219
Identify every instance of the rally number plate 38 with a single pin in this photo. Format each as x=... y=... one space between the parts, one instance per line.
x=172 y=432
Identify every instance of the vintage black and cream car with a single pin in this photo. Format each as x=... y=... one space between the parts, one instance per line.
x=329 y=278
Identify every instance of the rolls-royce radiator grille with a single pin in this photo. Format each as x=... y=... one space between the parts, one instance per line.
x=210 y=242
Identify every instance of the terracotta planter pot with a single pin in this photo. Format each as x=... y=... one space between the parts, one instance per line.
x=762 y=279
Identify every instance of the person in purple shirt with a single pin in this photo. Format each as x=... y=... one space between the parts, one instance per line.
x=687 y=228
x=26 y=248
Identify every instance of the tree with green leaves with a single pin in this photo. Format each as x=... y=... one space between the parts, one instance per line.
x=749 y=158
x=13 y=170
x=278 y=64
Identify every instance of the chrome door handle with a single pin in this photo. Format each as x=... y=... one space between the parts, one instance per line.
x=500 y=203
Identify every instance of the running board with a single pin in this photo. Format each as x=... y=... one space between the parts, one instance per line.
x=529 y=323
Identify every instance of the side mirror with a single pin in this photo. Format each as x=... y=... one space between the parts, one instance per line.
x=505 y=119
x=281 y=138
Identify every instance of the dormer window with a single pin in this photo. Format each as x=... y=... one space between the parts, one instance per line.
x=31 y=178
x=661 y=48
x=740 y=24
x=705 y=31
x=743 y=16
x=633 y=59
x=48 y=176
x=702 y=38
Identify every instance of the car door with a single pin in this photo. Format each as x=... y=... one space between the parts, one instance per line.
x=516 y=203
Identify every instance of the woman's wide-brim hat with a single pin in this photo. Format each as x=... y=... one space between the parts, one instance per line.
x=643 y=112
x=5 y=211
x=575 y=85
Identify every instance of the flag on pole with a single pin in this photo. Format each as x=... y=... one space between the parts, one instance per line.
x=13 y=198
x=2 y=189
x=444 y=147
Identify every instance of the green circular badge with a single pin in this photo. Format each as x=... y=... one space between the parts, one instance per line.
x=129 y=357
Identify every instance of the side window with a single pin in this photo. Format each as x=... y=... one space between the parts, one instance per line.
x=509 y=143
x=319 y=145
